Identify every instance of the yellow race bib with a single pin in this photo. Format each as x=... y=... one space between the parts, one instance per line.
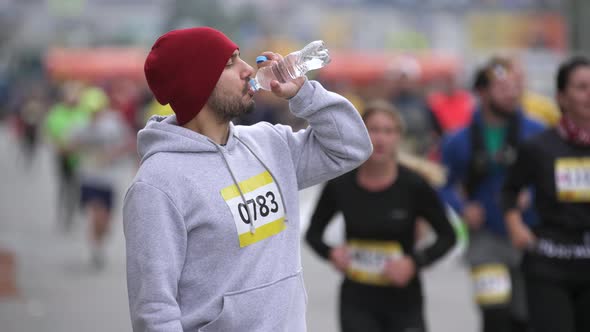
x=368 y=258
x=572 y=179
x=263 y=201
x=492 y=284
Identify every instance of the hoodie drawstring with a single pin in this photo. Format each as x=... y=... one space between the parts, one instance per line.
x=269 y=172
x=252 y=226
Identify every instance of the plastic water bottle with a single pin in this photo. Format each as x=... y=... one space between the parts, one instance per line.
x=313 y=56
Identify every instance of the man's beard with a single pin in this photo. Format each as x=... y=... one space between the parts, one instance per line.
x=228 y=107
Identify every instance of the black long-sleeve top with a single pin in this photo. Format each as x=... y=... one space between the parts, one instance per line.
x=388 y=215
x=552 y=167
x=559 y=172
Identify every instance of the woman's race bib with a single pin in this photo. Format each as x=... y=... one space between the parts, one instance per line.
x=368 y=258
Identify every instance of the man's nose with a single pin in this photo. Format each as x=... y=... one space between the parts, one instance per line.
x=248 y=70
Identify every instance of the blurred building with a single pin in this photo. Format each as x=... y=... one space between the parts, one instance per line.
x=540 y=31
x=35 y=23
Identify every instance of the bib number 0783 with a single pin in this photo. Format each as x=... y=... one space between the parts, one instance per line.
x=259 y=206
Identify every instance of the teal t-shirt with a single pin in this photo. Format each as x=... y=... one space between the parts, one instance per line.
x=494 y=137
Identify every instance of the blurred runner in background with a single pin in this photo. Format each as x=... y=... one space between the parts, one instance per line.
x=100 y=143
x=557 y=163
x=62 y=119
x=381 y=201
x=477 y=158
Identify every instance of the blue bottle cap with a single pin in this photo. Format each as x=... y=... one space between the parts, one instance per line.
x=254 y=85
x=261 y=58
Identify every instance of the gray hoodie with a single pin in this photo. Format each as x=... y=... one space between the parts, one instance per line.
x=204 y=254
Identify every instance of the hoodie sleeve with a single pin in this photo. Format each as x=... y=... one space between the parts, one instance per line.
x=336 y=140
x=156 y=239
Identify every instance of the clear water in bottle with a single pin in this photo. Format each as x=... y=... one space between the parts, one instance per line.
x=313 y=56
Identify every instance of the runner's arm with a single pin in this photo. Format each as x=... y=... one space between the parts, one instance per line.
x=434 y=212
x=324 y=211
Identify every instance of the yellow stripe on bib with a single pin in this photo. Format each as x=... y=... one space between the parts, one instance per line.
x=262 y=232
x=247 y=186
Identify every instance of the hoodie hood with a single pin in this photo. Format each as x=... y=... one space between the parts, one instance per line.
x=163 y=134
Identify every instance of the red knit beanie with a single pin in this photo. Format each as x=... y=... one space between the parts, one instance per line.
x=184 y=66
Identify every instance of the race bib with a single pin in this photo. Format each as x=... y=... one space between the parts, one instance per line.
x=264 y=204
x=572 y=179
x=492 y=284
x=368 y=258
